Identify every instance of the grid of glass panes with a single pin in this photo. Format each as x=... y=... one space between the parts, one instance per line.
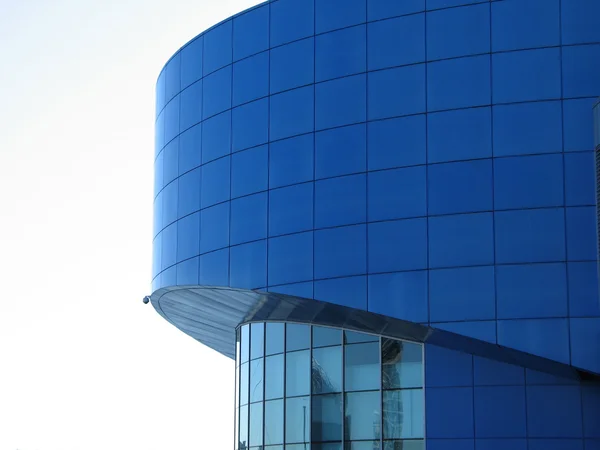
x=303 y=386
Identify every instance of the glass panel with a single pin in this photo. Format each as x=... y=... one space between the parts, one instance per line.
x=305 y=446
x=328 y=446
x=297 y=337
x=257 y=340
x=274 y=377
x=327 y=370
x=274 y=447
x=402 y=364
x=326 y=418
x=243 y=440
x=297 y=373
x=362 y=367
x=237 y=346
x=245 y=344
x=362 y=417
x=256 y=380
x=324 y=336
x=352 y=337
x=244 y=378
x=297 y=419
x=404 y=445
x=236 y=412
x=275 y=338
x=256 y=424
x=403 y=414
x=363 y=445
x=274 y=422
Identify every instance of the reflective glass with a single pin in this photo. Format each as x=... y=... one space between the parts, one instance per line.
x=243 y=439
x=362 y=415
x=256 y=424
x=216 y=92
x=297 y=419
x=251 y=32
x=324 y=336
x=274 y=372
x=327 y=446
x=256 y=380
x=327 y=370
x=214 y=268
x=362 y=367
x=384 y=36
x=363 y=445
x=291 y=20
x=340 y=252
x=284 y=219
x=250 y=171
x=347 y=291
x=292 y=65
x=353 y=337
x=326 y=418
x=401 y=364
x=274 y=422
x=406 y=445
x=245 y=344
x=340 y=53
x=297 y=337
x=217 y=47
x=297 y=373
x=274 y=339
x=244 y=380
x=291 y=259
x=403 y=414
x=251 y=78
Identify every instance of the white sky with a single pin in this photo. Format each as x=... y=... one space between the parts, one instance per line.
x=84 y=364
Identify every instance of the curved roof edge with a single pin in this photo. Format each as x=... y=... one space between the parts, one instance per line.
x=211 y=315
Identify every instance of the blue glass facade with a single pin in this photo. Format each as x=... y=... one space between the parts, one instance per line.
x=427 y=160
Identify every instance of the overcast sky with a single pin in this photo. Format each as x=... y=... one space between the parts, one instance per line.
x=84 y=364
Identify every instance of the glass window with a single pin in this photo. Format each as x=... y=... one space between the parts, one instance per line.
x=243 y=439
x=245 y=343
x=403 y=414
x=352 y=337
x=327 y=370
x=324 y=336
x=256 y=380
x=402 y=364
x=274 y=422
x=362 y=367
x=274 y=339
x=340 y=252
x=327 y=446
x=244 y=375
x=256 y=424
x=273 y=376
x=326 y=418
x=297 y=378
x=404 y=445
x=362 y=416
x=297 y=337
x=297 y=419
x=363 y=445
x=257 y=340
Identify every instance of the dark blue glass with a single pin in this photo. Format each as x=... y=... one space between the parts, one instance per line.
x=160 y=91
x=341 y=102
x=215 y=182
x=562 y=420
x=402 y=295
x=292 y=113
x=187 y=272
x=170 y=160
x=290 y=259
x=304 y=290
x=171 y=119
x=384 y=37
x=341 y=53
x=341 y=201
x=583 y=289
x=189 y=193
x=172 y=77
x=249 y=171
x=251 y=32
x=216 y=92
x=406 y=136
x=291 y=209
x=449 y=412
x=251 y=125
x=218 y=47
x=508 y=416
x=214 y=229
x=333 y=14
x=251 y=78
x=191 y=62
x=340 y=252
x=169 y=246
x=158 y=173
x=548 y=338
x=584 y=331
x=188 y=237
x=291 y=20
x=397 y=193
x=437 y=4
x=578 y=124
x=159 y=133
x=488 y=372
x=190 y=149
x=214 y=268
x=580 y=69
x=169 y=203
x=581 y=234
x=191 y=106
x=169 y=276
x=578 y=22
x=398 y=245
x=348 y=291
x=579 y=179
x=248 y=269
x=351 y=142
x=381 y=9
x=484 y=331
x=396 y=92
x=216 y=137
x=249 y=218
x=292 y=65
x=291 y=161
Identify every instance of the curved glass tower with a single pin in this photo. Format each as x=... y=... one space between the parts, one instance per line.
x=418 y=174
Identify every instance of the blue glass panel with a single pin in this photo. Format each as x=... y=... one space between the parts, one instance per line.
x=191 y=62
x=579 y=24
x=172 y=119
x=218 y=47
x=482 y=330
x=585 y=347
x=458 y=83
x=188 y=237
x=249 y=171
x=556 y=444
x=333 y=14
x=187 y=272
x=548 y=338
x=580 y=181
x=158 y=173
x=341 y=53
x=554 y=411
x=591 y=411
x=530 y=236
x=256 y=424
x=583 y=289
x=173 y=77
x=403 y=412
x=156 y=256
x=449 y=412
x=527 y=128
x=292 y=113
x=291 y=258
x=341 y=102
x=387 y=41
x=581 y=71
x=257 y=339
x=214 y=268
x=291 y=209
x=190 y=149
x=189 y=193
x=578 y=124
x=216 y=92
x=460 y=187
x=534 y=290
x=191 y=106
x=160 y=91
x=362 y=410
x=297 y=373
x=437 y=4
x=169 y=246
x=274 y=422
x=249 y=265
x=542 y=378
x=462 y=294
x=324 y=337
x=526 y=75
x=500 y=412
x=214 y=228
x=528 y=182
x=361 y=364
x=458 y=32
x=451 y=444
x=291 y=20
x=532 y=23
x=304 y=290
x=292 y=65
x=169 y=276
x=297 y=337
x=401 y=364
x=297 y=421
x=341 y=201
x=396 y=142
x=396 y=92
x=274 y=343
x=581 y=234
x=216 y=137
x=251 y=125
x=341 y=151
x=397 y=193
x=402 y=295
x=158 y=215
x=350 y=291
x=251 y=32
x=461 y=134
x=326 y=417
x=291 y=161
x=248 y=219
x=159 y=133
x=169 y=203
x=251 y=78
x=488 y=372
x=398 y=245
x=327 y=366
x=170 y=159
x=381 y=9
x=274 y=370
x=340 y=252
x=215 y=182
x=446 y=368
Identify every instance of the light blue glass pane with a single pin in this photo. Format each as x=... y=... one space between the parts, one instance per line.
x=274 y=422
x=245 y=345
x=353 y=337
x=173 y=77
x=297 y=373
x=244 y=382
x=274 y=372
x=325 y=336
x=401 y=364
x=297 y=337
x=256 y=424
x=189 y=192
x=274 y=338
x=257 y=336
x=403 y=414
x=326 y=418
x=170 y=161
x=327 y=370
x=363 y=409
x=362 y=367
x=169 y=246
x=243 y=438
x=297 y=420
x=169 y=203
x=256 y=379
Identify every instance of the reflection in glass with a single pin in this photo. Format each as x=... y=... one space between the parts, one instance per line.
x=245 y=345
x=352 y=337
x=274 y=447
x=274 y=377
x=326 y=418
x=257 y=340
x=256 y=380
x=362 y=416
x=327 y=446
x=275 y=338
x=274 y=422
x=402 y=364
x=297 y=373
x=243 y=439
x=297 y=337
x=404 y=445
x=297 y=419
x=236 y=412
x=362 y=445
x=256 y=424
x=244 y=378
x=327 y=370
x=324 y=336
x=403 y=414
x=362 y=367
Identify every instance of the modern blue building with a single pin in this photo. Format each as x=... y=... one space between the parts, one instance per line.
x=385 y=211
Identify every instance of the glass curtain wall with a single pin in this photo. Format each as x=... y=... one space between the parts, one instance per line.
x=302 y=386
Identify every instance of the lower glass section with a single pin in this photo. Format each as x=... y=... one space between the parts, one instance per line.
x=303 y=386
